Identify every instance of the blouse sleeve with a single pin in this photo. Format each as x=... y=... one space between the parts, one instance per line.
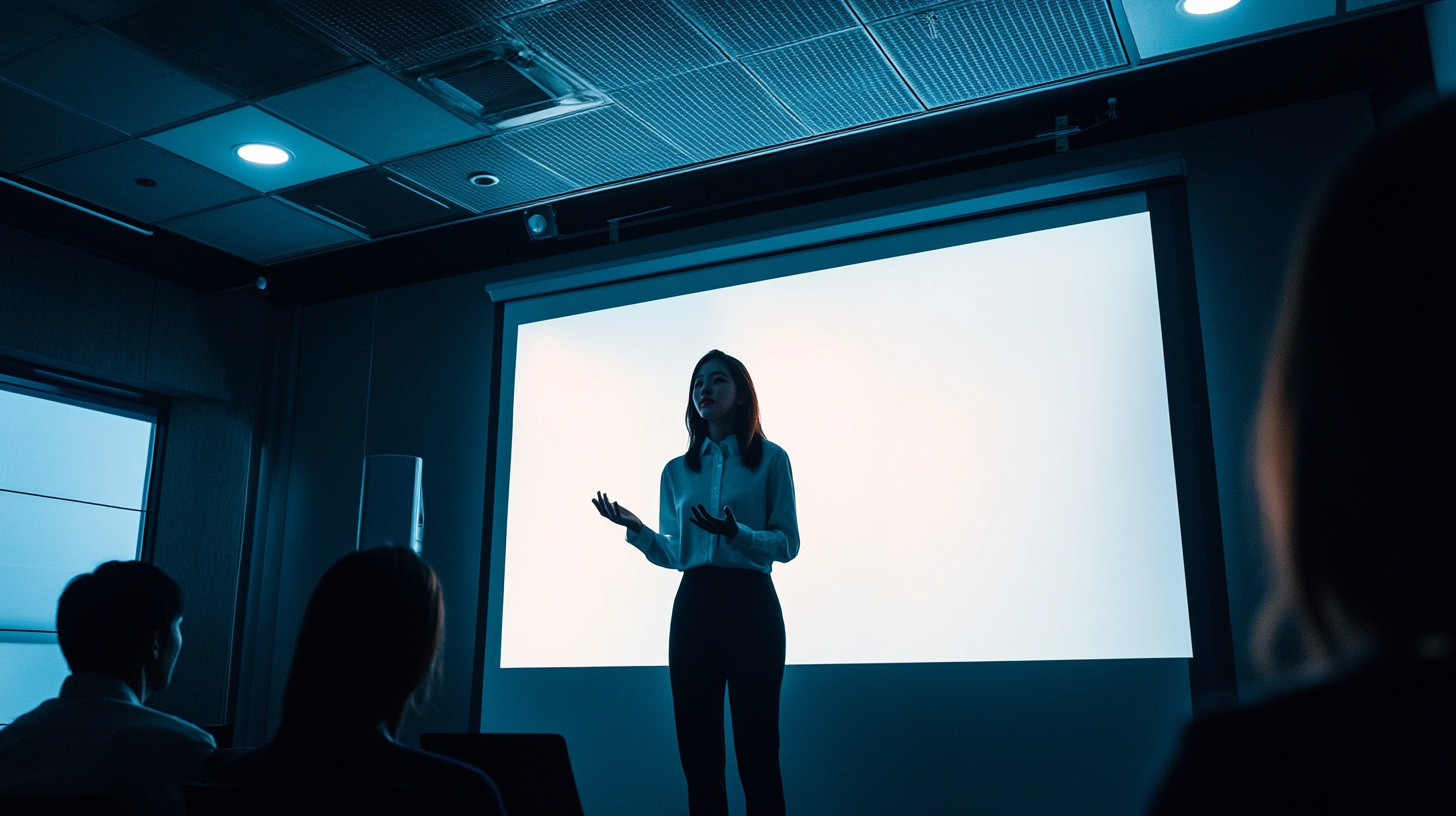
x=662 y=549
x=779 y=540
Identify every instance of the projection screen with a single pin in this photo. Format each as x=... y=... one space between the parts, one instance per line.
x=977 y=419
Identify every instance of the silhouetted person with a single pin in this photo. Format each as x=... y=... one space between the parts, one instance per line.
x=120 y=629
x=727 y=627
x=1355 y=466
x=369 y=639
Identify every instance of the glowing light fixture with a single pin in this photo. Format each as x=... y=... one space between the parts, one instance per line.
x=1201 y=7
x=259 y=153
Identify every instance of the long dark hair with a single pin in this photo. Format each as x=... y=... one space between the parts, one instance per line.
x=369 y=639
x=745 y=419
x=1355 y=451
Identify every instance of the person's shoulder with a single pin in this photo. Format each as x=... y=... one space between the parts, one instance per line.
x=773 y=451
x=1337 y=745
x=168 y=726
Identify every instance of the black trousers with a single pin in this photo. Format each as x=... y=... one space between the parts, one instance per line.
x=728 y=630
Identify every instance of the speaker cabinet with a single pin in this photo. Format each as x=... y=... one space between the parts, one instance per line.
x=391 y=502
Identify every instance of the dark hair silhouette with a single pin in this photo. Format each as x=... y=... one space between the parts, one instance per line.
x=369 y=639
x=105 y=619
x=745 y=418
x=1356 y=460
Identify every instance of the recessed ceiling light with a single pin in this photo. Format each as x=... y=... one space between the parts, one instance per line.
x=259 y=153
x=1202 y=7
x=484 y=179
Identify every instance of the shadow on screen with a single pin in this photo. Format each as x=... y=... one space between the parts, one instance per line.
x=532 y=771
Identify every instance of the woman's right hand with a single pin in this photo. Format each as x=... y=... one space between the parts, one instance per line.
x=616 y=513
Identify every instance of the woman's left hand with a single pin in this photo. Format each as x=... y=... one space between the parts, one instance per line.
x=727 y=526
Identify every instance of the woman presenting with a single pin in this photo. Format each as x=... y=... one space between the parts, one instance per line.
x=727 y=628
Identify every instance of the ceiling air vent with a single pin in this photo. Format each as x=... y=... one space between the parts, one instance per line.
x=507 y=85
x=497 y=87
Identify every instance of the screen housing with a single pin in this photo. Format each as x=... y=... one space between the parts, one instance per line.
x=1155 y=186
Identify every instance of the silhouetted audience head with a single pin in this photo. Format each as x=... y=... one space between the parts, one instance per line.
x=1355 y=454
x=369 y=639
x=122 y=613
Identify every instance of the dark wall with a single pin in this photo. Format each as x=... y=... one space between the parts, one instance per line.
x=406 y=371
x=71 y=312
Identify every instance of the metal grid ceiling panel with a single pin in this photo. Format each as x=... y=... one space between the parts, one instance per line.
x=617 y=43
x=448 y=171
x=748 y=26
x=880 y=9
x=967 y=51
x=835 y=82
x=405 y=35
x=714 y=112
x=600 y=146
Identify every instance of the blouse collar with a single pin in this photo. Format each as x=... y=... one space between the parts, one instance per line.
x=729 y=446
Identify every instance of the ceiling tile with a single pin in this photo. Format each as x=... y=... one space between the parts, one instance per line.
x=241 y=44
x=28 y=23
x=748 y=26
x=91 y=11
x=1160 y=27
x=260 y=230
x=117 y=177
x=617 y=43
x=405 y=35
x=376 y=202
x=835 y=82
x=713 y=112
x=448 y=172
x=34 y=130
x=101 y=75
x=880 y=9
x=597 y=147
x=1360 y=5
x=371 y=114
x=965 y=51
x=210 y=143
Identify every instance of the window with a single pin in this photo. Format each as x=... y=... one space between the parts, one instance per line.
x=75 y=472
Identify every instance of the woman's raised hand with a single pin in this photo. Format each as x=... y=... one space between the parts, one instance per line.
x=616 y=513
x=726 y=526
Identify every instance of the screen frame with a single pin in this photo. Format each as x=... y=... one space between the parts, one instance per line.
x=1158 y=187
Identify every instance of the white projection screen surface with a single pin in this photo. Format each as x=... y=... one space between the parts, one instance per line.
x=980 y=442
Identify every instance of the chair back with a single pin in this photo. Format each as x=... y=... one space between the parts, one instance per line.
x=68 y=804
x=532 y=771
x=212 y=799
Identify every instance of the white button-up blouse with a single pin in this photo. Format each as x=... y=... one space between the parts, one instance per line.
x=762 y=500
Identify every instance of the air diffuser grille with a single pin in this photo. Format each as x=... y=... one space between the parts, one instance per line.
x=448 y=172
x=835 y=82
x=600 y=146
x=714 y=112
x=965 y=51
x=617 y=43
x=748 y=26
